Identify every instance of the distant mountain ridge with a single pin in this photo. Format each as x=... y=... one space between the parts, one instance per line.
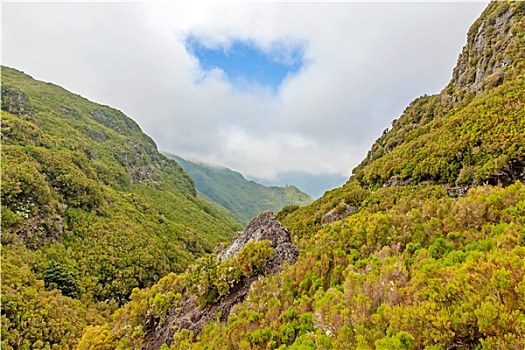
x=243 y=198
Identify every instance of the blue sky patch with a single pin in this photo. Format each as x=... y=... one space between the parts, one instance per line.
x=245 y=64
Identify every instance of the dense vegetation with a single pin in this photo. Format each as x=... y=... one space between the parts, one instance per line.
x=413 y=268
x=428 y=250
x=242 y=198
x=209 y=279
x=482 y=142
x=90 y=210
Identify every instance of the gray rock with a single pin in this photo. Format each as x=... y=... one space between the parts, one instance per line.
x=262 y=227
x=480 y=65
x=339 y=213
x=16 y=102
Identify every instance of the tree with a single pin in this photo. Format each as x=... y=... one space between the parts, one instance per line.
x=58 y=276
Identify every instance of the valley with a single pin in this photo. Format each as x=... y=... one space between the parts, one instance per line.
x=109 y=244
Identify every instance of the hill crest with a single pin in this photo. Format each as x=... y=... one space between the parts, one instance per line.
x=243 y=198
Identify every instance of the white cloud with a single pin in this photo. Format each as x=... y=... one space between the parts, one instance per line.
x=364 y=63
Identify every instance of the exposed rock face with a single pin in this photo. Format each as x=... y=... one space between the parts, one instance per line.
x=491 y=49
x=16 y=102
x=137 y=166
x=39 y=230
x=188 y=315
x=115 y=120
x=395 y=181
x=264 y=227
x=339 y=213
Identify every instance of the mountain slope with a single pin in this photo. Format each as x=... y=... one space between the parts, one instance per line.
x=413 y=252
x=90 y=210
x=471 y=133
x=244 y=199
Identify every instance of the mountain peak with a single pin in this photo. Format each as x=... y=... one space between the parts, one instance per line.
x=493 y=45
x=453 y=138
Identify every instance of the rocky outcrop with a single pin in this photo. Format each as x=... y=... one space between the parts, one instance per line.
x=16 y=102
x=187 y=314
x=41 y=229
x=264 y=227
x=492 y=47
x=341 y=211
x=116 y=121
x=394 y=181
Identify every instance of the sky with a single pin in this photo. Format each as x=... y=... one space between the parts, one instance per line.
x=285 y=93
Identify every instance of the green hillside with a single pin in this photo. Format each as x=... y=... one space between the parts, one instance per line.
x=242 y=198
x=471 y=133
x=90 y=210
x=423 y=248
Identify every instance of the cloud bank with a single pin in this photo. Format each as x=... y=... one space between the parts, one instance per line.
x=362 y=64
